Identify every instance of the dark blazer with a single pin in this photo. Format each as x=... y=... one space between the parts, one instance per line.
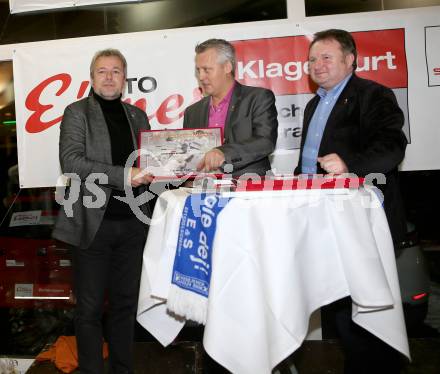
x=365 y=130
x=84 y=149
x=251 y=128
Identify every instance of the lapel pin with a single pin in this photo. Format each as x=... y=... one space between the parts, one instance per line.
x=345 y=101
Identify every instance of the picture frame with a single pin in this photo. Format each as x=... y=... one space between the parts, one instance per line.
x=176 y=152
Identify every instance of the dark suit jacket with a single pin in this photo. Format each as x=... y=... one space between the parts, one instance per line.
x=365 y=130
x=251 y=128
x=85 y=148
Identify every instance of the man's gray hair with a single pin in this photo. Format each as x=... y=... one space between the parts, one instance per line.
x=225 y=50
x=109 y=52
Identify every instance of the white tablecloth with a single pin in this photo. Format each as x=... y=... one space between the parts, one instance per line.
x=277 y=257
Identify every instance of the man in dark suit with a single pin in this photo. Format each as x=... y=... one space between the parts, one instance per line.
x=354 y=125
x=97 y=136
x=247 y=115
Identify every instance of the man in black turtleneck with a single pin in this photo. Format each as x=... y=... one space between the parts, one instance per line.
x=97 y=135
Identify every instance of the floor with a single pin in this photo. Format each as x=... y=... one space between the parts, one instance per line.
x=314 y=357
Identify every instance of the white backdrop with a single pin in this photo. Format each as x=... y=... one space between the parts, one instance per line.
x=20 y=6
x=50 y=75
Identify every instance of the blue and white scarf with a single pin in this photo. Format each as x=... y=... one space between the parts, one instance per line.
x=192 y=268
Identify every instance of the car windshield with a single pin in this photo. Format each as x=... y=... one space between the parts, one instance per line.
x=31 y=214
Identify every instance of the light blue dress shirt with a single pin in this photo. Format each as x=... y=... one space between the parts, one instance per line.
x=317 y=125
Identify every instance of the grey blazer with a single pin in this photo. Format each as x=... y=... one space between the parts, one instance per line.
x=85 y=148
x=251 y=128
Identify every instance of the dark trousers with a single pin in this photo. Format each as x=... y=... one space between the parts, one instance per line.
x=364 y=353
x=110 y=268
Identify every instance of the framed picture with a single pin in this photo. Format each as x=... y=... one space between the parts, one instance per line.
x=177 y=152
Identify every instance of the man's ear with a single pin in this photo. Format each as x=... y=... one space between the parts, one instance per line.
x=228 y=67
x=350 y=58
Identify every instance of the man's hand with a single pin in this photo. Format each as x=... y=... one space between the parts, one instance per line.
x=137 y=177
x=211 y=161
x=333 y=164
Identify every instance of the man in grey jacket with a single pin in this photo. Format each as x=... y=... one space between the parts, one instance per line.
x=97 y=136
x=247 y=115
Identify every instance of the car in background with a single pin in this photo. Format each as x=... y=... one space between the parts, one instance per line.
x=34 y=268
x=35 y=274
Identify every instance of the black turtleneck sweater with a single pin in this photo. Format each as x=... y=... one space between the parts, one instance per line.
x=121 y=141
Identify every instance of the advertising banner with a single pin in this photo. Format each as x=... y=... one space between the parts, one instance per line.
x=161 y=80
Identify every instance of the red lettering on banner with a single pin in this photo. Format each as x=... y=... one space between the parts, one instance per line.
x=140 y=103
x=436 y=71
x=281 y=64
x=171 y=103
x=82 y=89
x=382 y=57
x=34 y=124
x=197 y=95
